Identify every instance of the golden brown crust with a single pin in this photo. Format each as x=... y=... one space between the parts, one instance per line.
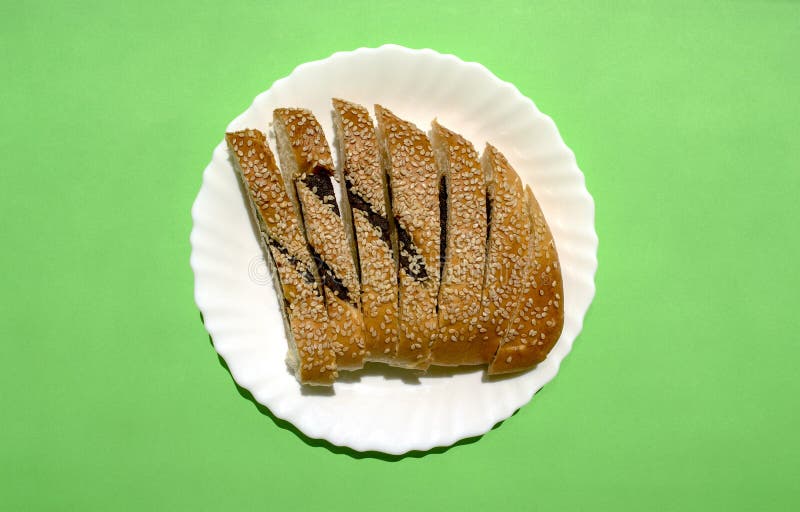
x=459 y=341
x=366 y=284
x=363 y=200
x=540 y=317
x=413 y=179
x=282 y=238
x=303 y=148
x=507 y=249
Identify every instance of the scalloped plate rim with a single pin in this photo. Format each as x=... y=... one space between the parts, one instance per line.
x=551 y=364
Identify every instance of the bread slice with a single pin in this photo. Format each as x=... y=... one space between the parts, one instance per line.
x=365 y=210
x=310 y=356
x=540 y=318
x=413 y=183
x=507 y=249
x=307 y=166
x=463 y=231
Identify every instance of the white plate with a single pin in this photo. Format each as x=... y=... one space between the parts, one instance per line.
x=379 y=408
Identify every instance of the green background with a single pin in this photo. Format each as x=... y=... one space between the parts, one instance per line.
x=681 y=393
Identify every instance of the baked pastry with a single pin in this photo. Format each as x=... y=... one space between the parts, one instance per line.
x=436 y=258
x=539 y=319
x=413 y=183
x=463 y=247
x=506 y=251
x=311 y=356
x=366 y=213
x=307 y=168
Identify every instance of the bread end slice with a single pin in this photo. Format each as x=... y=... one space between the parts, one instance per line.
x=540 y=317
x=310 y=356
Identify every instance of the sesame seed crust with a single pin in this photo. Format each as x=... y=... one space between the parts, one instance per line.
x=540 y=316
x=311 y=356
x=459 y=340
x=304 y=151
x=507 y=249
x=362 y=180
x=413 y=178
x=437 y=257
